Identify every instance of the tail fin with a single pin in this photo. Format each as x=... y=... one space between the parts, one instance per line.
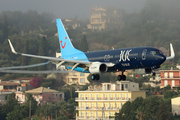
x=65 y=43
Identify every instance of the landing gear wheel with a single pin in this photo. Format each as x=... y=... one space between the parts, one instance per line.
x=97 y=77
x=123 y=77
x=119 y=77
x=153 y=74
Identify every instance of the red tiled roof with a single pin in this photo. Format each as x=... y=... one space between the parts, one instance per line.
x=8 y=83
x=27 y=78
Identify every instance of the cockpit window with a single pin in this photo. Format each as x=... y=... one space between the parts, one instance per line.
x=155 y=52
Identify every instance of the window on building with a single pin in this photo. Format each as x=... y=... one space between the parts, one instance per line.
x=52 y=95
x=165 y=83
x=173 y=83
x=104 y=87
x=121 y=96
x=165 y=75
x=38 y=96
x=109 y=113
x=171 y=75
x=82 y=74
x=60 y=95
x=108 y=87
x=126 y=85
x=82 y=80
x=96 y=114
x=96 y=104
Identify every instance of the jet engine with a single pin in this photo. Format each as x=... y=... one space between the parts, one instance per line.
x=97 y=68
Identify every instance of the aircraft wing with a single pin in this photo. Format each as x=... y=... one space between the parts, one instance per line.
x=48 y=58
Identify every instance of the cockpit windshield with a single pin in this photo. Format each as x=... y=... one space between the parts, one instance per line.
x=155 y=52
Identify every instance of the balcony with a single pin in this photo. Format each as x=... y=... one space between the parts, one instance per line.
x=97 y=108
x=170 y=77
x=104 y=99
x=93 y=118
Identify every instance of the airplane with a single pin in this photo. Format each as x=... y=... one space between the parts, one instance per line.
x=98 y=62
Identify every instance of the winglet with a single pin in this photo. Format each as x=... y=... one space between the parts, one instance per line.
x=172 y=53
x=11 y=46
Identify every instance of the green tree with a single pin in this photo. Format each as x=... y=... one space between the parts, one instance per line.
x=25 y=60
x=31 y=99
x=125 y=113
x=43 y=52
x=83 y=45
x=135 y=105
x=150 y=107
x=163 y=112
x=168 y=87
x=170 y=94
x=5 y=28
x=19 y=112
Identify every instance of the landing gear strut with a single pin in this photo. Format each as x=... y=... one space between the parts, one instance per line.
x=95 y=77
x=122 y=77
x=153 y=74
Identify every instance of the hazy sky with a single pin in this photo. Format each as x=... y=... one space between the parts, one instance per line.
x=68 y=8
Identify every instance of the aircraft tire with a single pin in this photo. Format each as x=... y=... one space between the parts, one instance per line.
x=119 y=77
x=153 y=74
x=97 y=77
x=123 y=77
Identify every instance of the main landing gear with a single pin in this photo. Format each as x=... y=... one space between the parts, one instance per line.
x=95 y=77
x=122 y=77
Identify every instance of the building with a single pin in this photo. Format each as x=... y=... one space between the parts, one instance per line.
x=156 y=78
x=74 y=23
x=7 y=87
x=175 y=103
x=150 y=83
x=170 y=77
x=104 y=101
x=42 y=95
x=77 y=78
x=105 y=18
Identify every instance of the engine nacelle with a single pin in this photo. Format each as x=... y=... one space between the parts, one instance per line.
x=97 y=68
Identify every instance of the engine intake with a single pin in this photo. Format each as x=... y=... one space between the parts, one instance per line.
x=97 y=68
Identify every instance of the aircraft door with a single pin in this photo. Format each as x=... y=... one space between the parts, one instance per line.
x=144 y=54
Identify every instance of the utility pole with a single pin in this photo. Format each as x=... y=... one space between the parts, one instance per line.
x=30 y=110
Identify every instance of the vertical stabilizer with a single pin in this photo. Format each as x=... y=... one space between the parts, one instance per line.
x=65 y=43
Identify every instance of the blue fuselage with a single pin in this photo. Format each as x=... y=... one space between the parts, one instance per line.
x=124 y=59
